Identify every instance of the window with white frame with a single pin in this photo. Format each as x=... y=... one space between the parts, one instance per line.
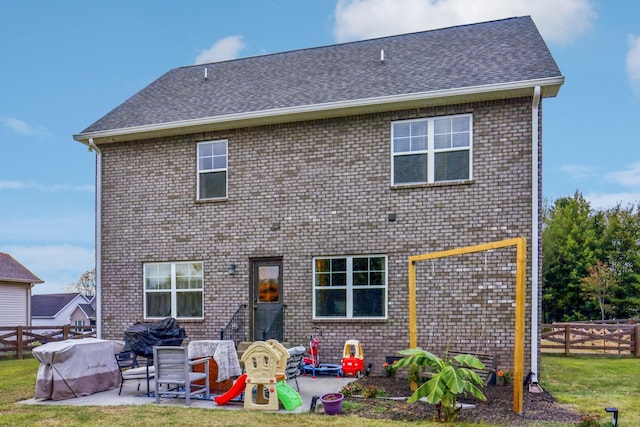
x=173 y=289
x=430 y=150
x=212 y=169
x=350 y=287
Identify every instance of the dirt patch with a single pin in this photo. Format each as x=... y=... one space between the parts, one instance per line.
x=496 y=410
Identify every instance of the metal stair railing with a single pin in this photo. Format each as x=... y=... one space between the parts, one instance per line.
x=236 y=329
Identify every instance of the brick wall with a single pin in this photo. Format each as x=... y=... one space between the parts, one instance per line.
x=326 y=184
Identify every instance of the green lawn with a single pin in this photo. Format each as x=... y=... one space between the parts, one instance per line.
x=589 y=384
x=592 y=383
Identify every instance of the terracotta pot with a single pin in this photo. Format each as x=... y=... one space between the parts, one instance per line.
x=332 y=403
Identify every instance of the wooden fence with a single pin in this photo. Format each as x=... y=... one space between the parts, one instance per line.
x=15 y=341
x=591 y=338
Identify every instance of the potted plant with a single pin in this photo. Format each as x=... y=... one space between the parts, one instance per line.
x=332 y=403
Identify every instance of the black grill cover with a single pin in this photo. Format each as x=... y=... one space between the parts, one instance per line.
x=142 y=337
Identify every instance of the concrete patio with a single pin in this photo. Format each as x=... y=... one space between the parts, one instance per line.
x=309 y=387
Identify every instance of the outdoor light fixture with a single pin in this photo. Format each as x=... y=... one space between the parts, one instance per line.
x=615 y=415
x=231 y=269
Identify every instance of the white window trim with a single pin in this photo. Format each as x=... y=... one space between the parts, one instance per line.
x=350 y=287
x=225 y=169
x=174 y=291
x=431 y=150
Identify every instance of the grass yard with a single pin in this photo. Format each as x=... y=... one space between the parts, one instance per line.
x=17 y=382
x=592 y=383
x=589 y=384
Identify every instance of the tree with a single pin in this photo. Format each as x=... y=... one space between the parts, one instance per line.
x=569 y=247
x=621 y=248
x=599 y=285
x=86 y=284
x=590 y=256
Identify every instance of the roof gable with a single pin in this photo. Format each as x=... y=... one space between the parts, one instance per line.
x=49 y=305
x=88 y=310
x=12 y=271
x=485 y=55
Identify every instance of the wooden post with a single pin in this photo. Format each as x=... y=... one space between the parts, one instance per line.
x=567 y=339
x=521 y=263
x=19 y=342
x=636 y=341
x=518 y=351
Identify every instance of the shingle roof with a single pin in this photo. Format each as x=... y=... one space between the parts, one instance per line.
x=12 y=271
x=48 y=305
x=489 y=53
x=88 y=309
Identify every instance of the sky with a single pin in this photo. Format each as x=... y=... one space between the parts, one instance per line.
x=67 y=63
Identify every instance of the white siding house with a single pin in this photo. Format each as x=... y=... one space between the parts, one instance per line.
x=58 y=309
x=16 y=282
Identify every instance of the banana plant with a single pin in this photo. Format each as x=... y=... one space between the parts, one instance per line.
x=450 y=378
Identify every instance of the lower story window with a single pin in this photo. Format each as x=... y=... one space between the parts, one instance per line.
x=173 y=290
x=350 y=287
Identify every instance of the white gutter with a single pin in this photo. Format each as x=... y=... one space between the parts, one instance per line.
x=93 y=147
x=381 y=100
x=535 y=231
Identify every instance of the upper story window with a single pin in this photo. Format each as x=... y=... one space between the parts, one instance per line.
x=173 y=289
x=212 y=170
x=350 y=287
x=432 y=150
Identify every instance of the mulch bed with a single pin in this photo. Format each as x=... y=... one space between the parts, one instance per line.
x=496 y=410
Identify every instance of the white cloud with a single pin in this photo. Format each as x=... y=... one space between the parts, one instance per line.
x=23 y=128
x=58 y=265
x=609 y=200
x=46 y=188
x=633 y=61
x=629 y=177
x=222 y=50
x=560 y=22
x=578 y=171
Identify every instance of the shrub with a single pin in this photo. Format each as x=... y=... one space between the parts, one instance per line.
x=352 y=389
x=390 y=368
x=505 y=377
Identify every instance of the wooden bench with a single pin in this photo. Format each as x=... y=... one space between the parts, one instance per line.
x=488 y=374
x=490 y=362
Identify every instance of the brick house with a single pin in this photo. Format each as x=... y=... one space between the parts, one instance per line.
x=297 y=184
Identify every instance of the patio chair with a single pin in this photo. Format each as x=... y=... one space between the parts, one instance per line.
x=294 y=362
x=130 y=369
x=174 y=369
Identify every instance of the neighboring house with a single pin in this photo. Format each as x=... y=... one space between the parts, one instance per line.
x=85 y=314
x=61 y=309
x=16 y=282
x=306 y=179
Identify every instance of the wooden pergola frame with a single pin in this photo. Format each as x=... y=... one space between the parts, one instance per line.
x=521 y=259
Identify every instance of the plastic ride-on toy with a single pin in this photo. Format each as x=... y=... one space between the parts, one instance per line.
x=352 y=359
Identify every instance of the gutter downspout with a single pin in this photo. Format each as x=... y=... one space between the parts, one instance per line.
x=94 y=147
x=535 y=231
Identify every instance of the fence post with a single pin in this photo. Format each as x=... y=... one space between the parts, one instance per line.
x=65 y=332
x=19 y=342
x=636 y=340
x=567 y=339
